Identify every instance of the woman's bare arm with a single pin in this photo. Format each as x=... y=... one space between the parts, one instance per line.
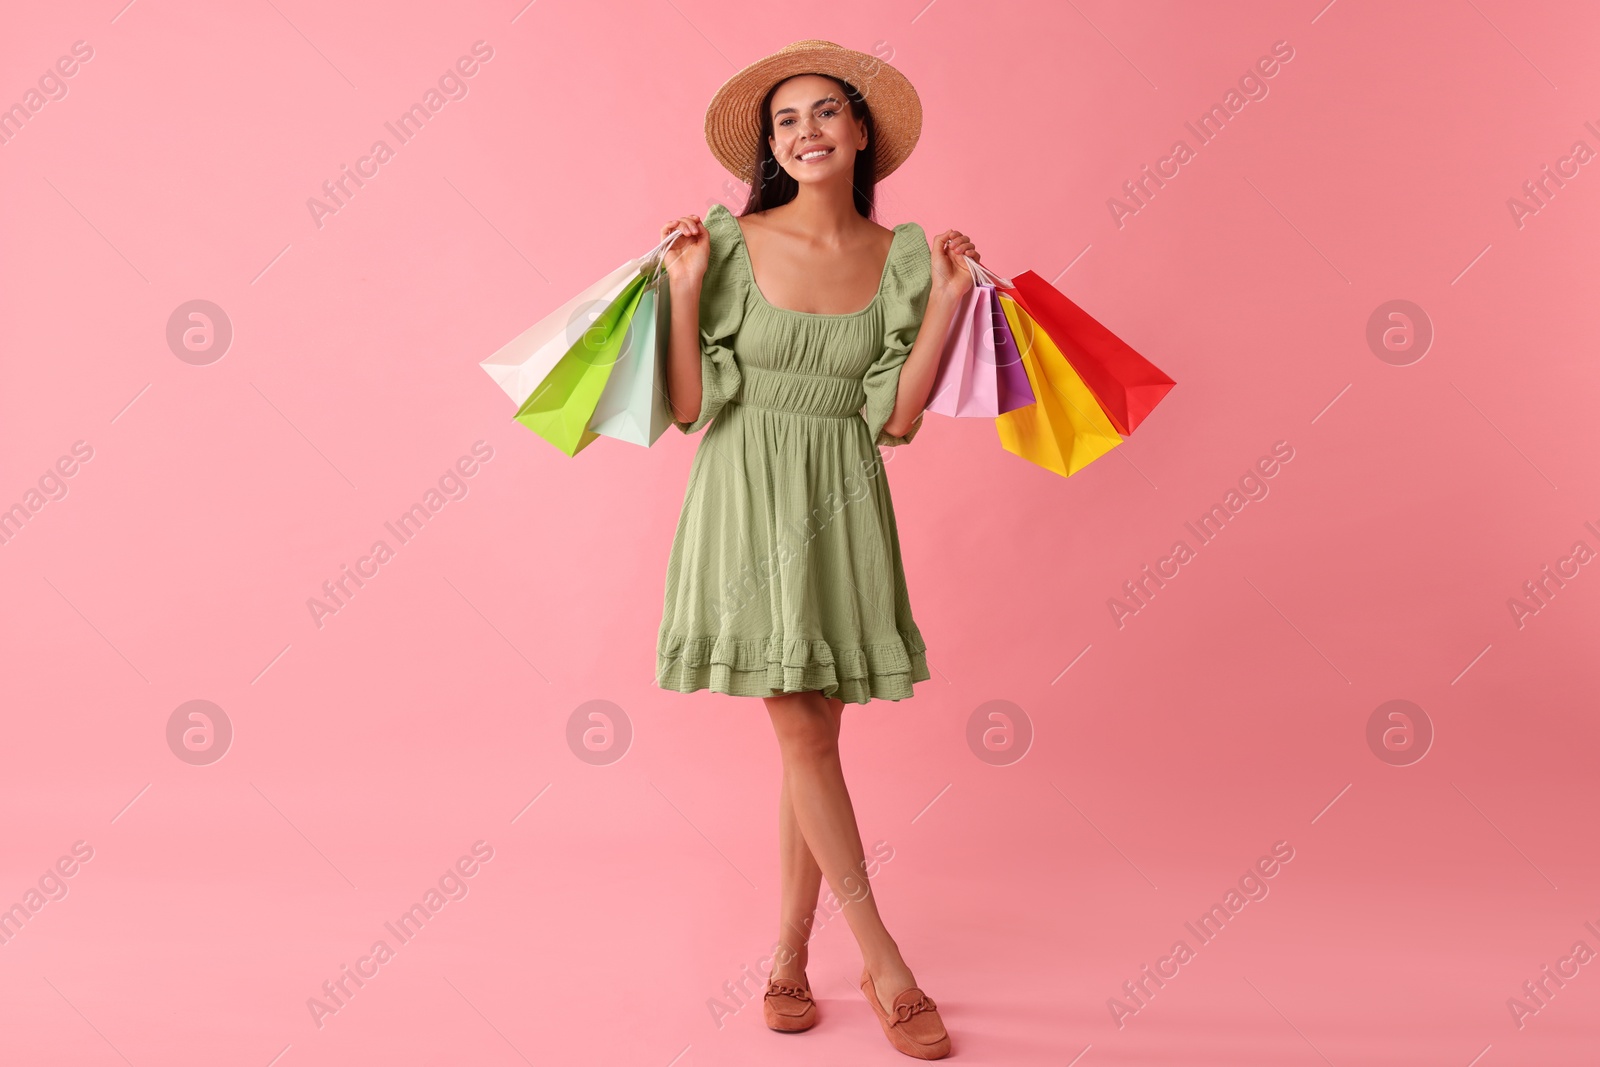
x=684 y=383
x=949 y=283
x=686 y=263
x=922 y=363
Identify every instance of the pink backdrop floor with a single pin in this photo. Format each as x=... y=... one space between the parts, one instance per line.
x=610 y=906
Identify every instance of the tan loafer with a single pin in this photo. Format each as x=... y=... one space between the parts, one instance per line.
x=914 y=1026
x=788 y=1007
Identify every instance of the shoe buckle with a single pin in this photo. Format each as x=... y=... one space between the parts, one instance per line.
x=782 y=988
x=904 y=1012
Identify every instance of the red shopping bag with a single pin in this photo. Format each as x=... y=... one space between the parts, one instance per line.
x=1127 y=385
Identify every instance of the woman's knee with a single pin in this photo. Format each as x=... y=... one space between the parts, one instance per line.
x=806 y=728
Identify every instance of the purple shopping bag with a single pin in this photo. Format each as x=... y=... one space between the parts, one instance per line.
x=1014 y=391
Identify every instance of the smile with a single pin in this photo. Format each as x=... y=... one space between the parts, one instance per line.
x=814 y=154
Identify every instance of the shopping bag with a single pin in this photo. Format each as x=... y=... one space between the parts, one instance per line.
x=980 y=370
x=560 y=407
x=524 y=361
x=1014 y=388
x=633 y=407
x=1127 y=385
x=527 y=360
x=1065 y=429
x=961 y=388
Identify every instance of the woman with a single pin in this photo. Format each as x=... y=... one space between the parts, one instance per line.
x=805 y=335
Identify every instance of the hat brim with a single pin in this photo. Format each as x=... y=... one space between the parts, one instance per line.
x=733 y=118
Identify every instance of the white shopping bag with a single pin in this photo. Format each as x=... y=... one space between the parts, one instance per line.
x=521 y=364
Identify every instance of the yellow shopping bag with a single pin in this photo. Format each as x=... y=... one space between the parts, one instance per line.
x=1065 y=429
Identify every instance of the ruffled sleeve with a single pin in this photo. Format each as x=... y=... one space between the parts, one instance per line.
x=722 y=302
x=905 y=298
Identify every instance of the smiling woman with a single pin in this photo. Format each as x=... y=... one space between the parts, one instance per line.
x=804 y=335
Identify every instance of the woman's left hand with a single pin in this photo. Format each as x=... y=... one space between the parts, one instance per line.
x=950 y=274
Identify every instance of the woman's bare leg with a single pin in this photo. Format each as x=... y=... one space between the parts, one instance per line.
x=802 y=880
x=808 y=737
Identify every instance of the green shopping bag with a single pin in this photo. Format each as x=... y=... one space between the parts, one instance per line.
x=559 y=410
x=633 y=407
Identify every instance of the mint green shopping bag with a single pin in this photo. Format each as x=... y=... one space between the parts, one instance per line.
x=559 y=410
x=633 y=407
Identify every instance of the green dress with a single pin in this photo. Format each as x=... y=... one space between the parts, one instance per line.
x=785 y=571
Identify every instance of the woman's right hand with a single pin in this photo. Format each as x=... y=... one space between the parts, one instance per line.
x=686 y=260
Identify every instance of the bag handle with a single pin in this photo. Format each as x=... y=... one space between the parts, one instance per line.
x=654 y=259
x=982 y=275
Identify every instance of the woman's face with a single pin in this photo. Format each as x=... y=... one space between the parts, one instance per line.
x=810 y=116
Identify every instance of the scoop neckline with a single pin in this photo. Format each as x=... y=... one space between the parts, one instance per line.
x=750 y=273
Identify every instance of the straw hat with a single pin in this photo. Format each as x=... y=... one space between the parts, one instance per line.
x=733 y=118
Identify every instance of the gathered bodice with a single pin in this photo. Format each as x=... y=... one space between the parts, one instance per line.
x=774 y=359
x=808 y=364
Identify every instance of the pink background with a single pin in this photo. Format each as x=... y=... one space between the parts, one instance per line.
x=1228 y=714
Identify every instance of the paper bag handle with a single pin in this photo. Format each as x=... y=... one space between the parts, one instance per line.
x=654 y=260
x=982 y=275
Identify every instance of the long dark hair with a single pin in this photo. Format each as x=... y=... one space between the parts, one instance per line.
x=771 y=185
